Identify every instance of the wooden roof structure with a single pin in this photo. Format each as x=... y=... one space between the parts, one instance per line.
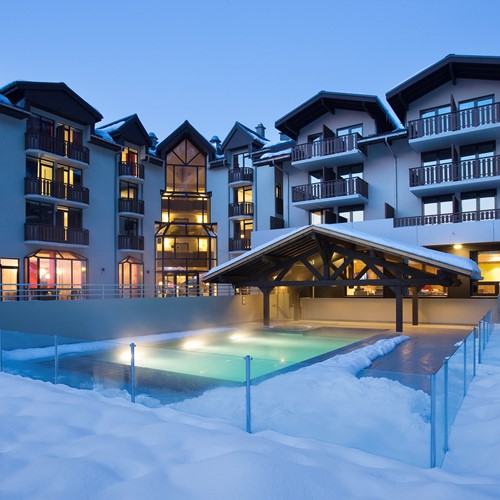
x=323 y=255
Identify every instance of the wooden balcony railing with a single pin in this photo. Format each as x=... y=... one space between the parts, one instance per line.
x=240 y=209
x=330 y=189
x=239 y=244
x=132 y=242
x=45 y=187
x=425 y=220
x=131 y=205
x=131 y=170
x=326 y=147
x=50 y=144
x=240 y=174
x=454 y=121
x=55 y=234
x=455 y=171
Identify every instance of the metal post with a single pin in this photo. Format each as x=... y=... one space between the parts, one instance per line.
x=433 y=420
x=474 y=349
x=132 y=372
x=465 y=366
x=248 y=408
x=1 y=352
x=480 y=353
x=446 y=403
x=56 y=360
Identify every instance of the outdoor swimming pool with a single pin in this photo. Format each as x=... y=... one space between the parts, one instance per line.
x=221 y=356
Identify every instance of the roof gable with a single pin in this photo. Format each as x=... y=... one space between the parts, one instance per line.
x=448 y=69
x=327 y=102
x=55 y=98
x=128 y=129
x=240 y=136
x=185 y=131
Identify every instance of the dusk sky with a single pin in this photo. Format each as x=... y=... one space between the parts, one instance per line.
x=217 y=61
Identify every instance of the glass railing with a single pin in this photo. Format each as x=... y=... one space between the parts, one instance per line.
x=403 y=416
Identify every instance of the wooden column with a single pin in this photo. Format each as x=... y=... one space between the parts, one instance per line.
x=266 y=291
x=399 y=308
x=414 y=305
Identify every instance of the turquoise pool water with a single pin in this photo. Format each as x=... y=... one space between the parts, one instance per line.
x=222 y=356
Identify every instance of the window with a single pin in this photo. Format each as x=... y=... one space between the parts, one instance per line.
x=243 y=195
x=188 y=208
x=352 y=129
x=130 y=274
x=477 y=201
x=241 y=160
x=9 y=278
x=350 y=171
x=186 y=169
x=129 y=191
x=437 y=205
x=69 y=134
x=438 y=111
x=129 y=226
x=130 y=155
x=354 y=213
x=69 y=175
x=489 y=264
x=41 y=125
x=475 y=103
x=69 y=217
x=477 y=160
x=363 y=291
x=243 y=229
x=39 y=213
x=325 y=216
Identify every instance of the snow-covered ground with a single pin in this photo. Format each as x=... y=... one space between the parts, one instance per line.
x=59 y=443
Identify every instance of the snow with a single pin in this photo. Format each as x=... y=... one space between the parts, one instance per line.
x=4 y=100
x=392 y=246
x=59 y=443
x=110 y=128
x=104 y=135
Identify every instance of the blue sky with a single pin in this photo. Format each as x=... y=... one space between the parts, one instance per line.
x=217 y=61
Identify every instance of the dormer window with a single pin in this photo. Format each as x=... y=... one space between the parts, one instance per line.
x=130 y=156
x=241 y=160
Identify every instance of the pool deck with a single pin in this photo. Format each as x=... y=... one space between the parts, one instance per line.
x=412 y=361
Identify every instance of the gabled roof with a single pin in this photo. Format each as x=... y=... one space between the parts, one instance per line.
x=446 y=70
x=56 y=98
x=327 y=102
x=128 y=129
x=186 y=130
x=303 y=239
x=241 y=135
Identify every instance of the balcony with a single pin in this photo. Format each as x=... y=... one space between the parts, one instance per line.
x=130 y=206
x=241 y=210
x=34 y=232
x=35 y=141
x=36 y=188
x=328 y=152
x=427 y=220
x=330 y=193
x=131 y=171
x=448 y=177
x=132 y=242
x=477 y=124
x=239 y=244
x=240 y=176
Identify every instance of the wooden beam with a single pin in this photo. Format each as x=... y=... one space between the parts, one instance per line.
x=399 y=309
x=414 y=305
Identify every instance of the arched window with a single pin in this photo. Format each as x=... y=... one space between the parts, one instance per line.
x=52 y=274
x=131 y=277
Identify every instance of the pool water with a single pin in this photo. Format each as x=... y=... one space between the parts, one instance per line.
x=221 y=356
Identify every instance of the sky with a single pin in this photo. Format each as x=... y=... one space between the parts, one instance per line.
x=220 y=61
x=318 y=433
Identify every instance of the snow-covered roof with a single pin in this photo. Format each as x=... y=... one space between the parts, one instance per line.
x=4 y=100
x=104 y=135
x=273 y=154
x=112 y=127
x=450 y=262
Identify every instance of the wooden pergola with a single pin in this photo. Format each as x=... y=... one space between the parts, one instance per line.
x=323 y=256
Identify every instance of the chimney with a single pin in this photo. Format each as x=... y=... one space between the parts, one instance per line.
x=261 y=130
x=216 y=142
x=154 y=140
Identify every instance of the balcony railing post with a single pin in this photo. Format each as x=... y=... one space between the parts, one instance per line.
x=248 y=409
x=132 y=372
x=56 y=360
